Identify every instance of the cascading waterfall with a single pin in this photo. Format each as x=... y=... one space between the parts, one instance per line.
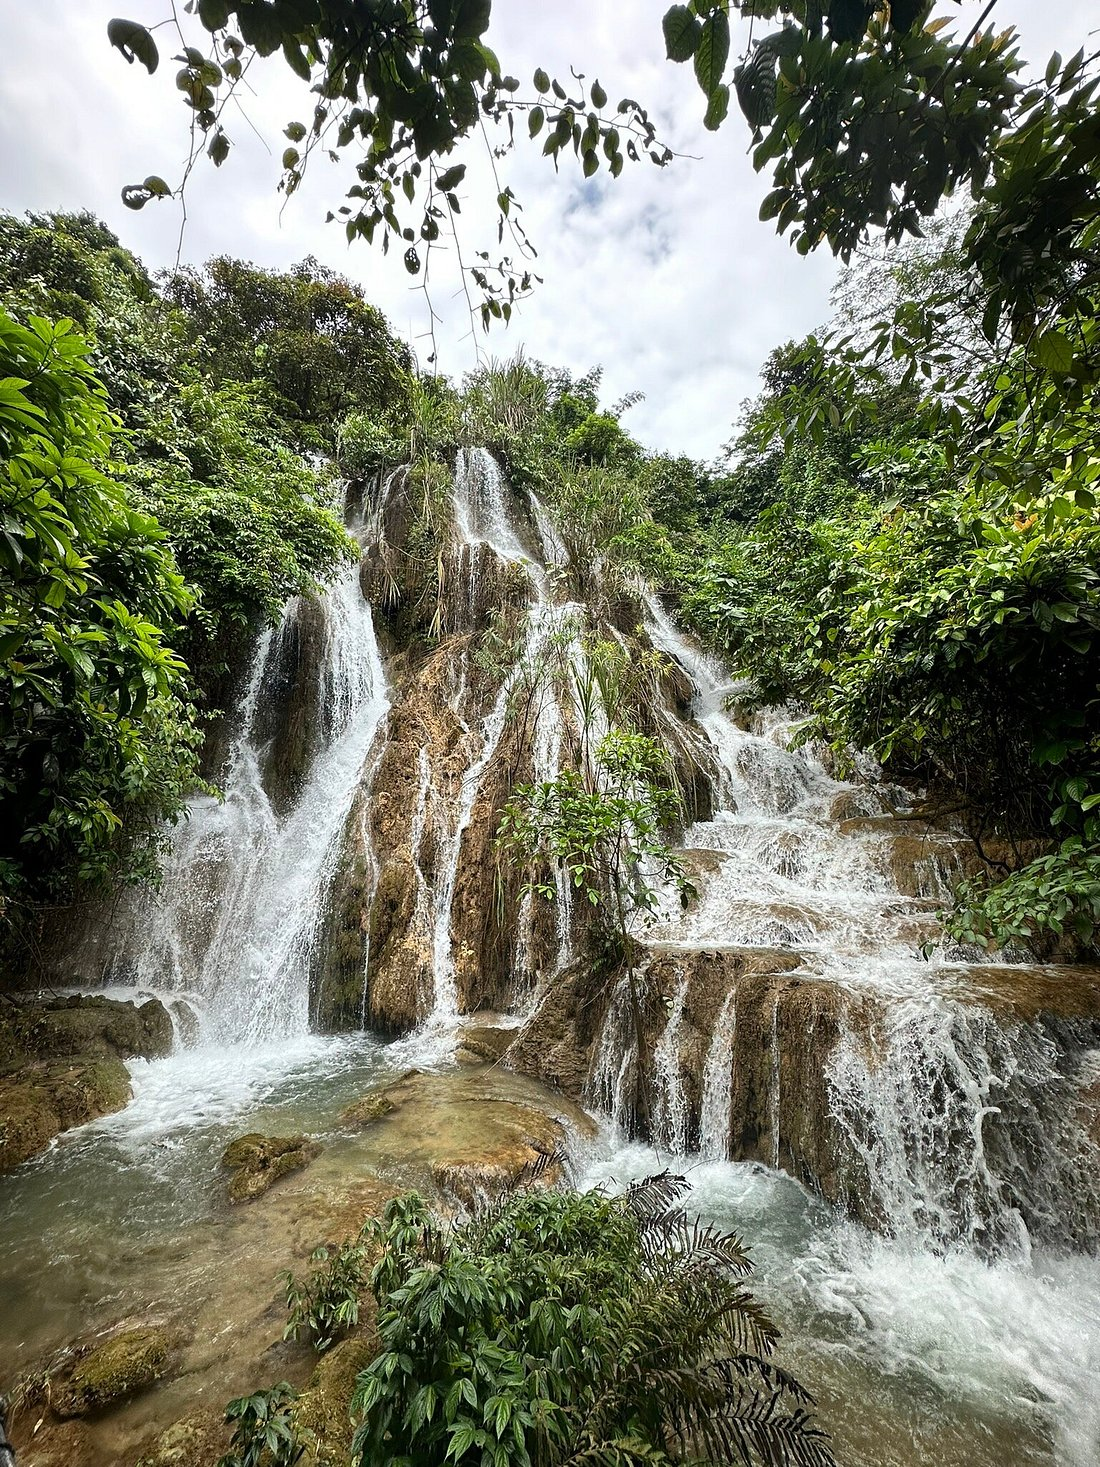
x=670 y=1114
x=949 y=1109
x=483 y=518
x=238 y=918
x=714 y=1113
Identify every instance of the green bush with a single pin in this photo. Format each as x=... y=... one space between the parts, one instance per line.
x=97 y=740
x=565 y=1328
x=364 y=447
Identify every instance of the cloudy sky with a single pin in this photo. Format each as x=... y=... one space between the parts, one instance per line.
x=665 y=277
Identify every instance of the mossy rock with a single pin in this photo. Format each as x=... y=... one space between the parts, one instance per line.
x=47 y=1099
x=198 y=1440
x=257 y=1162
x=370 y=1108
x=324 y=1407
x=105 y=1374
x=82 y=1027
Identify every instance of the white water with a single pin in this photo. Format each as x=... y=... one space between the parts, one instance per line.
x=239 y=914
x=918 y=1353
x=962 y=1120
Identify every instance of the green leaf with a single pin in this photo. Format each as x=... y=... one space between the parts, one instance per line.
x=542 y=81
x=219 y=148
x=535 y=121
x=135 y=43
x=1055 y=351
x=717 y=110
x=599 y=96
x=451 y=178
x=712 y=53
x=682 y=32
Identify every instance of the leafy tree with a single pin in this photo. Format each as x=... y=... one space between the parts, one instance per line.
x=558 y=1328
x=97 y=743
x=307 y=334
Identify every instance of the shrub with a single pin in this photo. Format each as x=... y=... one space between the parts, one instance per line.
x=565 y=1328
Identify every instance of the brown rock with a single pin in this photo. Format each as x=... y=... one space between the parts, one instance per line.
x=257 y=1162
x=200 y=1439
x=50 y=1098
x=102 y=1375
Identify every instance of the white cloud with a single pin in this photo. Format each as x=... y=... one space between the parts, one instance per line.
x=665 y=277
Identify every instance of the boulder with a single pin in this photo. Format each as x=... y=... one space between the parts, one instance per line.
x=199 y=1439
x=101 y=1375
x=62 y=1064
x=257 y=1162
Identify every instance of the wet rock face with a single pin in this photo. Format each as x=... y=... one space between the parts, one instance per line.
x=62 y=1064
x=103 y=1375
x=257 y=1162
x=475 y=1135
x=292 y=711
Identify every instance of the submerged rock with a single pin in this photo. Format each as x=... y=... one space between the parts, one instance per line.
x=62 y=1064
x=103 y=1375
x=474 y=1135
x=198 y=1440
x=257 y=1162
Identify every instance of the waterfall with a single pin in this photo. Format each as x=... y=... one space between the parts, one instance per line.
x=238 y=916
x=714 y=1114
x=670 y=1114
x=961 y=1122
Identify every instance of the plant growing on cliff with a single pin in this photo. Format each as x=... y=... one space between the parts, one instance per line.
x=603 y=827
x=560 y=1328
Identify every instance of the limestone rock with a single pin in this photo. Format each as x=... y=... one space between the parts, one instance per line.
x=50 y=1098
x=324 y=1407
x=257 y=1162
x=104 y=1374
x=61 y=1064
x=370 y=1108
x=200 y=1439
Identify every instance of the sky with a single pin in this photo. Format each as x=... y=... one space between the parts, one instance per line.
x=665 y=277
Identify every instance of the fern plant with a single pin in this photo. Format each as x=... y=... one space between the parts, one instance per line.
x=563 y=1328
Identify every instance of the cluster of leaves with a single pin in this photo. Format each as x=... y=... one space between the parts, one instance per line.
x=401 y=87
x=325 y=1304
x=265 y=1433
x=157 y=507
x=1055 y=894
x=96 y=737
x=866 y=116
x=305 y=335
x=559 y=1327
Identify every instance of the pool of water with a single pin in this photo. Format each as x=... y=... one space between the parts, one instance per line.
x=918 y=1358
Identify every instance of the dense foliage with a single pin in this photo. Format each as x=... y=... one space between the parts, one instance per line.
x=558 y=1327
x=157 y=508
x=97 y=742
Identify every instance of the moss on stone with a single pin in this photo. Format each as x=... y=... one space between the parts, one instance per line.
x=257 y=1162
x=105 y=1374
x=49 y=1098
